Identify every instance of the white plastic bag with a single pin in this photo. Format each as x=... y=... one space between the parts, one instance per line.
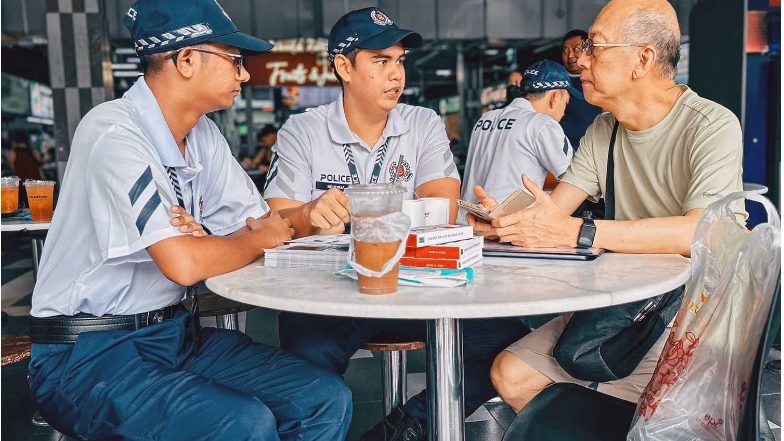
x=388 y=228
x=699 y=387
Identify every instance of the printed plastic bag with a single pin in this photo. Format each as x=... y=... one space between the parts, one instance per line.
x=699 y=387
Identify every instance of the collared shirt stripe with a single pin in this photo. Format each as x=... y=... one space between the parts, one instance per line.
x=175 y=181
x=140 y=185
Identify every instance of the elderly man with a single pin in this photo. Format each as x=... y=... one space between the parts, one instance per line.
x=115 y=355
x=670 y=153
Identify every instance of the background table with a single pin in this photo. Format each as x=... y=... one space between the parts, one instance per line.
x=503 y=287
x=38 y=232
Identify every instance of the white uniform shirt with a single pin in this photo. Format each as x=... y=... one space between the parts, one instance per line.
x=316 y=151
x=509 y=142
x=114 y=203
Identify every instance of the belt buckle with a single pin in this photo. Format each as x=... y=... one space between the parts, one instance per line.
x=157 y=317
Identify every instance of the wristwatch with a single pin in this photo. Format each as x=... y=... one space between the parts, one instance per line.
x=587 y=231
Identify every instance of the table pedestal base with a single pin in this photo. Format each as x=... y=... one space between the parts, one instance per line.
x=446 y=416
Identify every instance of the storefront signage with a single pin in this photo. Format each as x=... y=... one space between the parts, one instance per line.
x=284 y=69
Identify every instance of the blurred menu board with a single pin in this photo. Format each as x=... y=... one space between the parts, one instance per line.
x=15 y=97
x=41 y=102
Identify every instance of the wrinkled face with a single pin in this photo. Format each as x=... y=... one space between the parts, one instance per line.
x=607 y=73
x=570 y=52
x=378 y=77
x=219 y=82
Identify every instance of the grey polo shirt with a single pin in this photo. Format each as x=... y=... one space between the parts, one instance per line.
x=316 y=151
x=509 y=142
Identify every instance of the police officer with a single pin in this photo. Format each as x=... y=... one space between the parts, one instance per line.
x=367 y=137
x=115 y=355
x=523 y=138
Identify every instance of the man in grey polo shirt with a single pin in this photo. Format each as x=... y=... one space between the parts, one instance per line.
x=366 y=137
x=523 y=138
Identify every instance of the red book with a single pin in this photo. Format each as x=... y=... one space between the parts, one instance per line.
x=452 y=250
x=467 y=260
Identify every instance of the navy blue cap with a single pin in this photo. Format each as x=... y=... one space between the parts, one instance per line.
x=164 y=25
x=548 y=75
x=368 y=28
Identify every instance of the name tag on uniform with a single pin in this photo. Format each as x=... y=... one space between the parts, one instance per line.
x=322 y=185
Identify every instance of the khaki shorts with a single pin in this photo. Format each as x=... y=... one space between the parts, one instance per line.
x=536 y=349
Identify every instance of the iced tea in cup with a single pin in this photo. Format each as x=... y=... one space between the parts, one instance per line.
x=378 y=231
x=9 y=199
x=40 y=199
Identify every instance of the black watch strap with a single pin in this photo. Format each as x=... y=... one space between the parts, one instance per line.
x=587 y=231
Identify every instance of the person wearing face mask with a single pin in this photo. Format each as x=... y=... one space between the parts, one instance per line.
x=523 y=137
x=367 y=137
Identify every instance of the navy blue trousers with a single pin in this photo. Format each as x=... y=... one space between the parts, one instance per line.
x=150 y=384
x=331 y=341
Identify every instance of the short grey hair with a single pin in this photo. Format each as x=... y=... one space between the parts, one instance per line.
x=657 y=29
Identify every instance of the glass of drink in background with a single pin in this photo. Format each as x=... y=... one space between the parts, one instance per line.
x=9 y=199
x=368 y=204
x=40 y=199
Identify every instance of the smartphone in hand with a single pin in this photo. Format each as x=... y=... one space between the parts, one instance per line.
x=516 y=201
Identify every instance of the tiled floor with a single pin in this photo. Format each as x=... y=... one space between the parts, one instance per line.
x=363 y=375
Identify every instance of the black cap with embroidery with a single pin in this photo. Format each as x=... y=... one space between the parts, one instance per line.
x=164 y=25
x=548 y=75
x=368 y=28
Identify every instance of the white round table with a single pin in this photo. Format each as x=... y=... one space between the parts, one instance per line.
x=26 y=226
x=503 y=287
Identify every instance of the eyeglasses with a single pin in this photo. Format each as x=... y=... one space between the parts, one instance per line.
x=589 y=45
x=238 y=59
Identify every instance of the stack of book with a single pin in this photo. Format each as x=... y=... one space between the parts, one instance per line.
x=443 y=246
x=314 y=252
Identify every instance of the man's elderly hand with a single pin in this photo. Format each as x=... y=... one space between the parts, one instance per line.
x=185 y=223
x=542 y=224
x=481 y=227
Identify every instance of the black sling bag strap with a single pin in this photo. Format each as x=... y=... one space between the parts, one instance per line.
x=606 y=344
x=609 y=186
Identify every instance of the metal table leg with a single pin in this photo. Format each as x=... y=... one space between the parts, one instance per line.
x=228 y=321
x=446 y=419
x=38 y=248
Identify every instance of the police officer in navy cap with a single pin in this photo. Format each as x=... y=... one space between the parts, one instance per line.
x=523 y=138
x=115 y=355
x=366 y=136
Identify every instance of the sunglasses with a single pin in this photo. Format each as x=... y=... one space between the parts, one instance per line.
x=238 y=59
x=589 y=45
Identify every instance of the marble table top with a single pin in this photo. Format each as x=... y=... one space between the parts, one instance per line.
x=502 y=287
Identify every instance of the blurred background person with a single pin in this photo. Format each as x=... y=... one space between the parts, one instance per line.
x=579 y=113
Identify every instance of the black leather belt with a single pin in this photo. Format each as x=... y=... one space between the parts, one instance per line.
x=66 y=329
